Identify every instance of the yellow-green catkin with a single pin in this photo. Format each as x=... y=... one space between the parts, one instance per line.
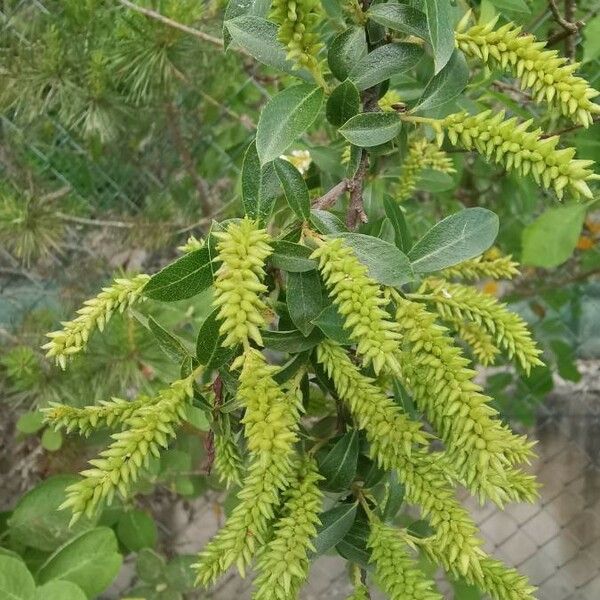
x=192 y=244
x=479 y=340
x=396 y=570
x=361 y=302
x=243 y=249
x=284 y=563
x=549 y=77
x=503 y=583
x=424 y=475
x=389 y=100
x=480 y=447
x=228 y=461
x=455 y=302
x=421 y=155
x=297 y=20
x=108 y=413
x=94 y=314
x=490 y=265
x=270 y=426
x=147 y=431
x=513 y=145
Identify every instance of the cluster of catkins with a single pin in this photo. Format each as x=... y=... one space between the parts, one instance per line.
x=393 y=335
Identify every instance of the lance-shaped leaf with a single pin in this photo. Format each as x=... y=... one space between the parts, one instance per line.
x=371 y=128
x=400 y=17
x=294 y=188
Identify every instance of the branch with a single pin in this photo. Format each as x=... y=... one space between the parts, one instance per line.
x=152 y=14
x=569 y=26
x=94 y=222
x=356 y=211
x=566 y=25
x=567 y=129
x=329 y=198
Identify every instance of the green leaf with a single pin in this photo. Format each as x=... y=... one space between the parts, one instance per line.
x=304 y=299
x=325 y=222
x=16 y=582
x=335 y=524
x=383 y=62
x=258 y=37
x=209 y=351
x=260 y=186
x=294 y=188
x=396 y=216
x=136 y=530
x=179 y=573
x=353 y=546
x=36 y=520
x=168 y=343
x=446 y=85
x=291 y=341
x=463 y=591
x=285 y=117
x=291 y=257
x=331 y=323
x=551 y=239
x=30 y=422
x=346 y=50
x=386 y=263
x=59 y=590
x=197 y=417
x=51 y=440
x=238 y=8
x=184 y=278
x=343 y=103
x=338 y=466
x=440 y=23
x=457 y=238
x=591 y=40
x=395 y=497
x=514 y=5
x=149 y=565
x=400 y=17
x=90 y=560
x=371 y=128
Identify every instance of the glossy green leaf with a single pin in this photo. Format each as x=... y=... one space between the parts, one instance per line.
x=331 y=323
x=440 y=22
x=16 y=582
x=58 y=590
x=343 y=103
x=353 y=546
x=395 y=497
x=384 y=62
x=285 y=117
x=346 y=50
x=149 y=565
x=184 y=278
x=396 y=216
x=335 y=524
x=36 y=520
x=371 y=128
x=457 y=238
x=169 y=344
x=258 y=37
x=209 y=351
x=304 y=299
x=446 y=85
x=136 y=530
x=338 y=465
x=197 y=418
x=551 y=239
x=386 y=263
x=90 y=560
x=400 y=17
x=260 y=186
x=294 y=188
x=291 y=341
x=292 y=257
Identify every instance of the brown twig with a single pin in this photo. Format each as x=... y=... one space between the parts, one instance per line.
x=567 y=129
x=94 y=222
x=569 y=26
x=152 y=14
x=329 y=198
x=356 y=211
x=209 y=442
